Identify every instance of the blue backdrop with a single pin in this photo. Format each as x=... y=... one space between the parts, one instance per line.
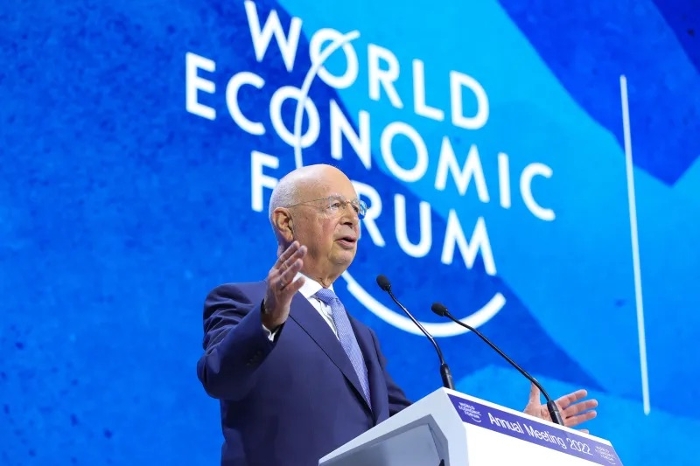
x=140 y=141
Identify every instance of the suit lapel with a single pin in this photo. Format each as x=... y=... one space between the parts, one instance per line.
x=309 y=319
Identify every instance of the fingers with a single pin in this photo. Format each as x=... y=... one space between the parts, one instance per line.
x=289 y=259
x=571 y=398
x=534 y=393
x=289 y=263
x=285 y=278
x=294 y=286
x=579 y=419
x=292 y=265
x=577 y=411
x=297 y=252
x=579 y=407
x=281 y=286
x=288 y=253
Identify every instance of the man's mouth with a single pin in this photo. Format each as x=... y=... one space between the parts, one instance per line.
x=348 y=241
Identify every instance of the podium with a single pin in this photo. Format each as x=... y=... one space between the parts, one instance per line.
x=448 y=428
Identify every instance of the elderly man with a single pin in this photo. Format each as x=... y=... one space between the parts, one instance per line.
x=295 y=374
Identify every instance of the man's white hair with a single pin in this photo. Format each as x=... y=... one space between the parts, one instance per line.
x=284 y=195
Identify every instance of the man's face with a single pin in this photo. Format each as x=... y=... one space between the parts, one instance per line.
x=327 y=224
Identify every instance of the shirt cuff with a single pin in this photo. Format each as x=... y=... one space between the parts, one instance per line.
x=270 y=334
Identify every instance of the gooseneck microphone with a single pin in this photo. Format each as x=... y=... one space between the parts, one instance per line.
x=445 y=373
x=442 y=311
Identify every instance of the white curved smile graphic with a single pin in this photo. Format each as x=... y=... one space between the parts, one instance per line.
x=447 y=329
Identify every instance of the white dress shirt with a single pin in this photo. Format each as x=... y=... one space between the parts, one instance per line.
x=308 y=290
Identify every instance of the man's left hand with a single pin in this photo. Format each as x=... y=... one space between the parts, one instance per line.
x=573 y=408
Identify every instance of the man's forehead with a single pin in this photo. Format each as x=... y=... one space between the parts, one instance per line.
x=322 y=188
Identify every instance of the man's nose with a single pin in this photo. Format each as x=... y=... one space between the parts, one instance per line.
x=350 y=216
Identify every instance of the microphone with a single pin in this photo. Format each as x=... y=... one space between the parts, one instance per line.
x=445 y=373
x=442 y=311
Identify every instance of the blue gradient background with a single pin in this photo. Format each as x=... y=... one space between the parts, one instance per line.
x=119 y=211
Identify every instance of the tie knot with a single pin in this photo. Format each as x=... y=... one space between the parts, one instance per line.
x=326 y=296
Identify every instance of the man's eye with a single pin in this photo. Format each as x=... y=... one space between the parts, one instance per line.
x=336 y=205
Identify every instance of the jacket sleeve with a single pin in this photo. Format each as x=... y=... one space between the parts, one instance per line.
x=397 y=398
x=235 y=343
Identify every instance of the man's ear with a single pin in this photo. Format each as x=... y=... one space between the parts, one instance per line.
x=284 y=224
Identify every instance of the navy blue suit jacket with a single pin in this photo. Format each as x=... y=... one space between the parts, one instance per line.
x=291 y=401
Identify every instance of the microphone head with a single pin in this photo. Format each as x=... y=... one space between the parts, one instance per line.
x=439 y=309
x=383 y=282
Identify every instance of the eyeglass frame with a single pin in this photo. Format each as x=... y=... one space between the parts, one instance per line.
x=358 y=205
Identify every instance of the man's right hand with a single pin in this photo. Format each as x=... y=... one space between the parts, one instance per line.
x=281 y=288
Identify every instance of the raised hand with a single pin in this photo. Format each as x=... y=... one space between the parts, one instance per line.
x=281 y=288
x=573 y=408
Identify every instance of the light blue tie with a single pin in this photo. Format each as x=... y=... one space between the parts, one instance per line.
x=346 y=336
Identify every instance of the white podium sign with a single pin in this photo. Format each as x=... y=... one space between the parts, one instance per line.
x=449 y=428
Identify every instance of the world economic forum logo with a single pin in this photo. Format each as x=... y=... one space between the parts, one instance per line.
x=471 y=411
x=383 y=70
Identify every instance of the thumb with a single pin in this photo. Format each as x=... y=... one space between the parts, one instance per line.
x=534 y=394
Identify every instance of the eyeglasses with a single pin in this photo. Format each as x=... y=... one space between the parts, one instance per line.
x=334 y=204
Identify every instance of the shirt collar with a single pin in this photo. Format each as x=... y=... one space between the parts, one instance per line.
x=310 y=286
